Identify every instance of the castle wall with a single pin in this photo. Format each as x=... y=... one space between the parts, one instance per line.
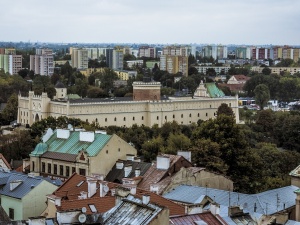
x=148 y=113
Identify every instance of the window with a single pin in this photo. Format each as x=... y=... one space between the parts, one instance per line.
x=82 y=172
x=124 y=119
x=173 y=116
x=106 y=151
x=133 y=118
x=209 y=106
x=96 y=120
x=67 y=171
x=11 y=213
x=115 y=119
x=119 y=149
x=49 y=167
x=198 y=114
x=61 y=170
x=43 y=167
x=80 y=183
x=190 y=115
x=93 y=208
x=73 y=169
x=157 y=117
x=142 y=118
x=32 y=165
x=105 y=119
x=55 y=169
x=181 y=115
x=206 y=114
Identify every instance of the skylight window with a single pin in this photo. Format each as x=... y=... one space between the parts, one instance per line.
x=93 y=208
x=80 y=183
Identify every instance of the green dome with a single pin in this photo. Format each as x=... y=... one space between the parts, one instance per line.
x=40 y=149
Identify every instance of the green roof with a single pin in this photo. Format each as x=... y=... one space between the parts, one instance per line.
x=214 y=91
x=40 y=149
x=73 y=145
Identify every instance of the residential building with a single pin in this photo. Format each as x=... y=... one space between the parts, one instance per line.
x=79 y=57
x=126 y=74
x=238 y=79
x=10 y=62
x=174 y=64
x=132 y=63
x=117 y=59
x=109 y=57
x=23 y=196
x=218 y=69
x=147 y=51
x=42 y=62
x=147 y=107
x=215 y=51
x=260 y=53
x=271 y=202
x=277 y=70
x=64 y=152
x=243 y=53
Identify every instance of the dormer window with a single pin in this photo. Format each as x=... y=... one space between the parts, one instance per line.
x=80 y=183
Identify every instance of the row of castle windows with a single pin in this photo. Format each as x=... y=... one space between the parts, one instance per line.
x=133 y=118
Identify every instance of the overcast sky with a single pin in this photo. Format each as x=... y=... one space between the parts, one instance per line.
x=255 y=22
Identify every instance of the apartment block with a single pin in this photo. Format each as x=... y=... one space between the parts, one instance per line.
x=146 y=51
x=243 y=53
x=42 y=62
x=10 y=62
x=174 y=64
x=79 y=58
x=215 y=51
x=260 y=53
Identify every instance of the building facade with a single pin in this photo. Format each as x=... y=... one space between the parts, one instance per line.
x=42 y=62
x=10 y=62
x=147 y=51
x=125 y=112
x=79 y=58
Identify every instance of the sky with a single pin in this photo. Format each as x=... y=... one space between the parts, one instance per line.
x=252 y=22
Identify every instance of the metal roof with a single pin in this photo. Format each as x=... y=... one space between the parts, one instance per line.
x=268 y=202
x=26 y=184
x=213 y=91
x=131 y=211
x=73 y=145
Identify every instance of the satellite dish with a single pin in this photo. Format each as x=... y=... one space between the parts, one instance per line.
x=105 y=188
x=83 y=210
x=82 y=218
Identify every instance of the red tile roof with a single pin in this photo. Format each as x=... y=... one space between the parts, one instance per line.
x=241 y=77
x=69 y=192
x=163 y=177
x=207 y=217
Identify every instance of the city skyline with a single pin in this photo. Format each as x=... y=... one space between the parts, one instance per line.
x=167 y=22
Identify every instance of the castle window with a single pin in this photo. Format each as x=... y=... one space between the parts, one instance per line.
x=49 y=167
x=133 y=118
x=124 y=119
x=190 y=115
x=209 y=106
x=43 y=167
x=198 y=114
x=173 y=116
x=96 y=120
x=67 y=171
x=61 y=170
x=32 y=166
x=181 y=115
x=230 y=104
x=142 y=118
x=106 y=151
x=105 y=119
x=115 y=119
x=119 y=149
x=206 y=114
x=55 y=169
x=157 y=117
x=165 y=117
x=73 y=169
x=87 y=120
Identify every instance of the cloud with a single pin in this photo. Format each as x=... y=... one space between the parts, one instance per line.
x=156 y=21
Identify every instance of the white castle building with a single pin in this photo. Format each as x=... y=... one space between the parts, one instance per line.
x=146 y=107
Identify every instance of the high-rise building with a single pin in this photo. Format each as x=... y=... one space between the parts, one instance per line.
x=42 y=62
x=243 y=53
x=79 y=58
x=147 y=51
x=260 y=53
x=10 y=62
x=174 y=59
x=118 y=59
x=215 y=51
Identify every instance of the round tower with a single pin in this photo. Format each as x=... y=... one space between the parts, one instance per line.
x=61 y=90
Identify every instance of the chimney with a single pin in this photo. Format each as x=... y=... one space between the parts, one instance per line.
x=92 y=186
x=132 y=189
x=146 y=199
x=103 y=188
x=14 y=184
x=154 y=188
x=186 y=154
x=83 y=195
x=137 y=172
x=98 y=176
x=214 y=208
x=297 y=192
x=57 y=201
x=137 y=159
x=119 y=165
x=127 y=170
x=163 y=162
x=129 y=157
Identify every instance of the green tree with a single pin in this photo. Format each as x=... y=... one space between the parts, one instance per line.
x=176 y=142
x=266 y=71
x=225 y=109
x=262 y=95
x=10 y=111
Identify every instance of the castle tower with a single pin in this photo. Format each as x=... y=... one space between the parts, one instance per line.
x=201 y=91
x=146 y=91
x=61 y=90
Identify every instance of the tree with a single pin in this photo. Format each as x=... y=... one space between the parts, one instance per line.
x=10 y=111
x=192 y=70
x=225 y=109
x=176 y=142
x=96 y=92
x=266 y=71
x=262 y=95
